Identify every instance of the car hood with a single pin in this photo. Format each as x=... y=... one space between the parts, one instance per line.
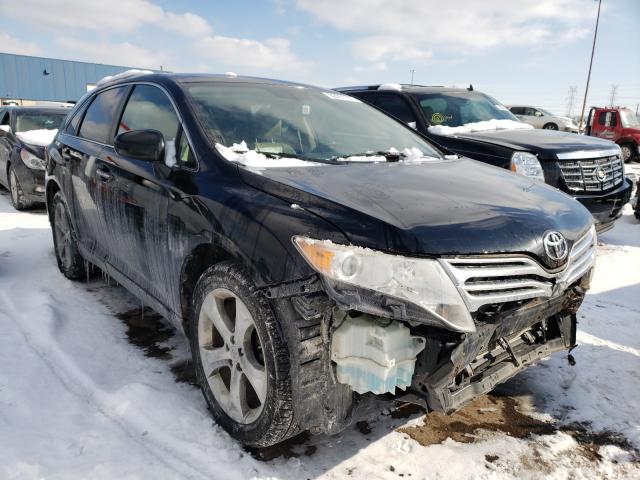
x=547 y=144
x=438 y=208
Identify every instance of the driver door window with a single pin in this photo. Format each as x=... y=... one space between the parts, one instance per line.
x=149 y=108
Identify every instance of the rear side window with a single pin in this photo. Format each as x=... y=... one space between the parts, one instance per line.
x=395 y=106
x=98 y=122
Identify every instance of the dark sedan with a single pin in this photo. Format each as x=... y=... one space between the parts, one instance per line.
x=24 y=134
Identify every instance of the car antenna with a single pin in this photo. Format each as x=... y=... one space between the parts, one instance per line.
x=470 y=88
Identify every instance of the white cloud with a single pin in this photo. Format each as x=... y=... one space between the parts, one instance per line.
x=122 y=53
x=114 y=16
x=272 y=54
x=9 y=44
x=412 y=30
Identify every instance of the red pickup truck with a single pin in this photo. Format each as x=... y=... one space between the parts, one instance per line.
x=619 y=125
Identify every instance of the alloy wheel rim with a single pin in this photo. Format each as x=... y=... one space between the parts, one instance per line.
x=231 y=356
x=626 y=153
x=63 y=236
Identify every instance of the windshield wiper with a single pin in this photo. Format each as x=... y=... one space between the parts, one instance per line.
x=330 y=161
x=389 y=156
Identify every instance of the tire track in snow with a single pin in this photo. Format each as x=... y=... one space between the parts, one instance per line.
x=80 y=386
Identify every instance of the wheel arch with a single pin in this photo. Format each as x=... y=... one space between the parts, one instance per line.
x=52 y=187
x=201 y=257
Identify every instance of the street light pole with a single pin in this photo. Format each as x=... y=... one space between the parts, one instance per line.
x=593 y=49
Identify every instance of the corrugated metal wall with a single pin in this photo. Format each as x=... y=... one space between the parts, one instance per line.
x=23 y=77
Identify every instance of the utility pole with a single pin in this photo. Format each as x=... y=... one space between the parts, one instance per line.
x=571 y=100
x=593 y=49
x=612 y=96
x=412 y=72
x=637 y=107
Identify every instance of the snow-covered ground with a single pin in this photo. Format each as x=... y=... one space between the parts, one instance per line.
x=85 y=394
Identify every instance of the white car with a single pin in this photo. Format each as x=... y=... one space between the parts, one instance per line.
x=541 y=118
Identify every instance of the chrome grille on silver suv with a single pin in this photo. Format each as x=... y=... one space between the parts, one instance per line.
x=487 y=280
x=592 y=171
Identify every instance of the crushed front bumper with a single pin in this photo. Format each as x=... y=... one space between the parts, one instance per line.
x=497 y=351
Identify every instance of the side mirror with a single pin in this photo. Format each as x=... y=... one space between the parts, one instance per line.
x=5 y=128
x=146 y=145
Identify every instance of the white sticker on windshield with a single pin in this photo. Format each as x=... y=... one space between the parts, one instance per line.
x=340 y=96
x=502 y=107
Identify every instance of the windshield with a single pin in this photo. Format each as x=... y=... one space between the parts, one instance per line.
x=38 y=121
x=304 y=123
x=629 y=119
x=454 y=109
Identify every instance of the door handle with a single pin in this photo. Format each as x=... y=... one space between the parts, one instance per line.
x=104 y=175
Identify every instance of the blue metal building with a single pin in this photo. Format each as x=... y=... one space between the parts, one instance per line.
x=38 y=78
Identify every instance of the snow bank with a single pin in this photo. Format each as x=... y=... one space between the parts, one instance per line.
x=485 y=126
x=240 y=153
x=395 y=87
x=126 y=74
x=40 y=138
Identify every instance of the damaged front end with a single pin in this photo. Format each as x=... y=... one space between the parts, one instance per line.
x=377 y=340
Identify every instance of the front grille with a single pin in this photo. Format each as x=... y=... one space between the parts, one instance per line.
x=490 y=280
x=592 y=174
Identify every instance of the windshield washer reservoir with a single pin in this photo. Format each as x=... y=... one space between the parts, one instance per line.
x=375 y=355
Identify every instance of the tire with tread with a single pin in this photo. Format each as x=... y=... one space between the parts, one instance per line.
x=15 y=191
x=276 y=420
x=628 y=154
x=70 y=261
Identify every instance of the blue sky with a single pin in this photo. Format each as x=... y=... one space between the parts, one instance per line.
x=519 y=51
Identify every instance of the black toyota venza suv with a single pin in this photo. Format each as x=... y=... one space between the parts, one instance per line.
x=472 y=124
x=317 y=253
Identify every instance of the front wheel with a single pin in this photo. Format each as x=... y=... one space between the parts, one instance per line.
x=70 y=262
x=550 y=126
x=17 y=195
x=240 y=356
x=627 y=152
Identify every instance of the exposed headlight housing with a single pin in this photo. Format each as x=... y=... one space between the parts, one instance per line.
x=527 y=164
x=419 y=281
x=30 y=160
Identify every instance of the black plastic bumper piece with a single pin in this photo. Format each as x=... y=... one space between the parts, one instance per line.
x=608 y=207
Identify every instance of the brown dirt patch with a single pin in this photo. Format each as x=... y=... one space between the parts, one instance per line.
x=488 y=412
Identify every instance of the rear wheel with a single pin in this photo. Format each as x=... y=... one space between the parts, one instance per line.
x=240 y=356
x=550 y=126
x=70 y=262
x=627 y=152
x=17 y=195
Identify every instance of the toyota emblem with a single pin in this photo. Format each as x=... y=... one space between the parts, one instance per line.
x=555 y=246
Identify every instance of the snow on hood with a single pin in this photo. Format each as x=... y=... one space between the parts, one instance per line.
x=39 y=138
x=126 y=74
x=240 y=153
x=480 y=127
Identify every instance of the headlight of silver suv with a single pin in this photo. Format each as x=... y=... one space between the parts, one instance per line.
x=30 y=160
x=419 y=281
x=527 y=164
